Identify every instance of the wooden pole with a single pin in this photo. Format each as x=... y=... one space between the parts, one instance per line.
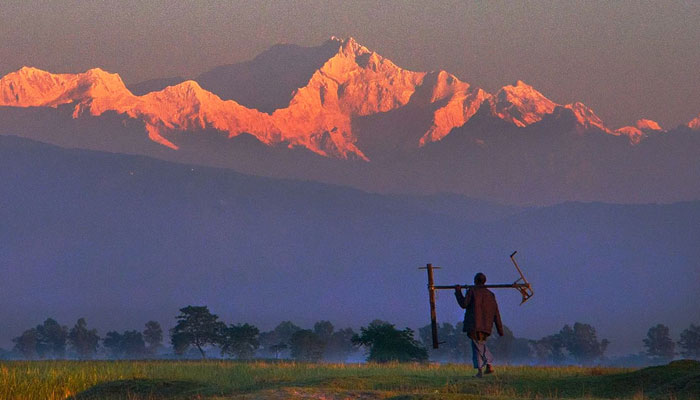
x=433 y=315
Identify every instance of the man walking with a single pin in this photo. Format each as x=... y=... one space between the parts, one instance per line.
x=480 y=315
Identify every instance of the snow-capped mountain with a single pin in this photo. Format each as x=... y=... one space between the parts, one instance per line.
x=353 y=82
x=694 y=123
x=640 y=130
x=341 y=113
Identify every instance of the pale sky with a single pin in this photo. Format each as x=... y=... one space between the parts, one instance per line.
x=624 y=59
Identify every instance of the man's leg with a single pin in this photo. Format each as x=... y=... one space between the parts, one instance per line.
x=476 y=358
x=481 y=356
x=488 y=359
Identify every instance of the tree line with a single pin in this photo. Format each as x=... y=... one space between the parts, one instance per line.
x=198 y=331
x=51 y=340
x=577 y=344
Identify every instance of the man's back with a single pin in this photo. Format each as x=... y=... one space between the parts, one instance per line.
x=481 y=311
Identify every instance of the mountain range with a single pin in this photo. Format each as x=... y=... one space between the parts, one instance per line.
x=341 y=113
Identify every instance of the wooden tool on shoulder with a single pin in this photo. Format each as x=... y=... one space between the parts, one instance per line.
x=521 y=284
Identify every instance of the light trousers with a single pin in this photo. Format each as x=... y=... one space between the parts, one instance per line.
x=480 y=354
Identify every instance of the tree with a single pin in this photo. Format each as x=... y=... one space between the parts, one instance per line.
x=278 y=348
x=133 y=345
x=51 y=339
x=113 y=343
x=549 y=349
x=83 y=340
x=454 y=342
x=324 y=330
x=240 y=341
x=306 y=346
x=129 y=344
x=690 y=342
x=386 y=343
x=153 y=336
x=508 y=348
x=197 y=327
x=582 y=342
x=659 y=344
x=340 y=346
x=26 y=344
x=337 y=345
x=277 y=340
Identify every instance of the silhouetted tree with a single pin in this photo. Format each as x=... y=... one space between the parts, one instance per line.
x=277 y=340
x=690 y=342
x=46 y=340
x=549 y=349
x=508 y=348
x=386 y=343
x=197 y=327
x=339 y=345
x=129 y=344
x=582 y=342
x=133 y=345
x=659 y=344
x=84 y=341
x=454 y=344
x=240 y=341
x=278 y=348
x=306 y=346
x=153 y=336
x=113 y=342
x=324 y=330
x=51 y=339
x=26 y=344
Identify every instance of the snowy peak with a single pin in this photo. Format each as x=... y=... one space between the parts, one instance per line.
x=456 y=103
x=355 y=82
x=187 y=91
x=648 y=125
x=694 y=123
x=350 y=46
x=585 y=117
x=311 y=96
x=521 y=104
x=641 y=129
x=29 y=87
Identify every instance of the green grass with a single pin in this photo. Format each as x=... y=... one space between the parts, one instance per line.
x=52 y=380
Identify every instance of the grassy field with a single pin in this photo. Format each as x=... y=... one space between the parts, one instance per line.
x=134 y=380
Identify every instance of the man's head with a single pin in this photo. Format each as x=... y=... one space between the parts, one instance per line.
x=479 y=279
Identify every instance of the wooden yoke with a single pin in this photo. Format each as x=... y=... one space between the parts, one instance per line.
x=521 y=284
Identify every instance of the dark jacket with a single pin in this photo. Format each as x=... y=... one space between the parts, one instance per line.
x=481 y=312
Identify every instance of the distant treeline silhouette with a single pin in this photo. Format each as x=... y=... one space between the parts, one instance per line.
x=198 y=331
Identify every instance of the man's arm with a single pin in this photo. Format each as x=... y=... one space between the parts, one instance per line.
x=459 y=296
x=497 y=319
x=462 y=300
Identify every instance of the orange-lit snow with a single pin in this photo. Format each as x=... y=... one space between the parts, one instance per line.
x=354 y=82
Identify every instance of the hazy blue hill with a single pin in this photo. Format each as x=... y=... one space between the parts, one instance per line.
x=122 y=239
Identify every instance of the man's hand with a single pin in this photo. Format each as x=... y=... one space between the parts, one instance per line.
x=458 y=288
